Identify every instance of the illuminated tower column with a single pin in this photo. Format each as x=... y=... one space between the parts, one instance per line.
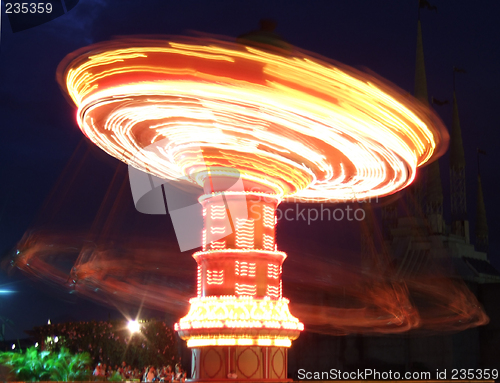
x=239 y=323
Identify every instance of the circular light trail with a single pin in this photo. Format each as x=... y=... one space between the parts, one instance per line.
x=310 y=130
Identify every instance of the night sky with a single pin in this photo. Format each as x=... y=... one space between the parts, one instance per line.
x=39 y=131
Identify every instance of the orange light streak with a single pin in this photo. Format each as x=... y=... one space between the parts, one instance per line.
x=217 y=230
x=218 y=212
x=242 y=289
x=204 y=239
x=278 y=255
x=268 y=242
x=309 y=129
x=198 y=281
x=245 y=269
x=244 y=233
x=269 y=218
x=273 y=271
x=215 y=245
x=273 y=291
x=215 y=277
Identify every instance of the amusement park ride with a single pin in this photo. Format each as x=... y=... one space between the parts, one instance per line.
x=288 y=126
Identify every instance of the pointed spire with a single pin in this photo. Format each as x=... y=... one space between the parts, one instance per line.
x=420 y=77
x=414 y=192
x=481 y=223
x=434 y=190
x=457 y=157
x=457 y=170
x=434 y=200
x=265 y=38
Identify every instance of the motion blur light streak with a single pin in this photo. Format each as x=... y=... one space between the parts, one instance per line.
x=311 y=130
x=377 y=300
x=355 y=300
x=117 y=275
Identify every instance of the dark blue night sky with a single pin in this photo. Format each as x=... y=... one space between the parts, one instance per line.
x=39 y=131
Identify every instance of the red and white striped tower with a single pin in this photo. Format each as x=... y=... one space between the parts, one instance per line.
x=239 y=323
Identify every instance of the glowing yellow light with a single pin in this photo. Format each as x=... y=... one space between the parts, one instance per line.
x=203 y=342
x=215 y=277
x=273 y=271
x=244 y=233
x=134 y=326
x=273 y=291
x=245 y=269
x=278 y=255
x=226 y=342
x=238 y=312
x=244 y=342
x=218 y=212
x=204 y=239
x=244 y=289
x=198 y=282
x=218 y=245
x=269 y=218
x=268 y=242
x=282 y=342
x=218 y=230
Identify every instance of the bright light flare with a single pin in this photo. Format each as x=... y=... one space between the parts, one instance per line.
x=133 y=326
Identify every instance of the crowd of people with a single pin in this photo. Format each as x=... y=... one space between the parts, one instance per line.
x=147 y=374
